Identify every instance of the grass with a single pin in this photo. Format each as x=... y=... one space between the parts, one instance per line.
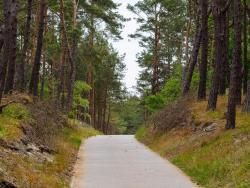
x=28 y=171
x=221 y=159
x=10 y=121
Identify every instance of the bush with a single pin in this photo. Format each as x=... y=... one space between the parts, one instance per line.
x=174 y=115
x=171 y=91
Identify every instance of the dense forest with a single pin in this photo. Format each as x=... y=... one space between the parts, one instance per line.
x=62 y=81
x=61 y=51
x=194 y=47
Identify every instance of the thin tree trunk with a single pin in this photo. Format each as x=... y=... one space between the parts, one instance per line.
x=155 y=63
x=108 y=120
x=246 y=104
x=61 y=85
x=72 y=74
x=43 y=77
x=20 y=78
x=90 y=76
x=1 y=38
x=186 y=66
x=235 y=75
x=33 y=88
x=224 y=53
x=6 y=46
x=220 y=42
x=104 y=108
x=9 y=85
x=245 y=77
x=193 y=61
x=204 y=50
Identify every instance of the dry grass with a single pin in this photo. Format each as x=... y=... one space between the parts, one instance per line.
x=213 y=160
x=41 y=125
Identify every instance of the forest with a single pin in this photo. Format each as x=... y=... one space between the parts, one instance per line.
x=62 y=51
x=195 y=53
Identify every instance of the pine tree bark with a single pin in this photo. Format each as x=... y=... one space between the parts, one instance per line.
x=235 y=74
x=245 y=60
x=224 y=51
x=155 y=61
x=204 y=50
x=6 y=46
x=9 y=85
x=33 y=88
x=72 y=73
x=43 y=77
x=1 y=38
x=246 y=104
x=219 y=13
x=61 y=84
x=20 y=77
x=193 y=61
x=187 y=59
x=90 y=76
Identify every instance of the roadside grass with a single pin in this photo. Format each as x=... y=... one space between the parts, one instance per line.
x=27 y=170
x=215 y=160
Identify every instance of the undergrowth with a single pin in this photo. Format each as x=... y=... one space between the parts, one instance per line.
x=39 y=123
x=213 y=160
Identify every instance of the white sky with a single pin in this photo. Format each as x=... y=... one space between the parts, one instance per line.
x=128 y=46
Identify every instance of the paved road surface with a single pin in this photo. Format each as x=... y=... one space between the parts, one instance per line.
x=122 y=162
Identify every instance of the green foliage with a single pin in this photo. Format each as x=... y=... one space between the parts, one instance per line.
x=16 y=111
x=127 y=114
x=80 y=104
x=168 y=17
x=141 y=132
x=155 y=102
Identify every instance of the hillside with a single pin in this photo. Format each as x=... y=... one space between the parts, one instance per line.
x=38 y=145
x=196 y=141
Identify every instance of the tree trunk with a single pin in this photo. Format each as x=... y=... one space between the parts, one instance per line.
x=224 y=53
x=20 y=77
x=245 y=76
x=234 y=78
x=104 y=108
x=186 y=66
x=220 y=42
x=43 y=77
x=33 y=88
x=155 y=62
x=193 y=60
x=90 y=76
x=72 y=73
x=204 y=50
x=6 y=46
x=61 y=84
x=9 y=85
x=1 y=38
x=246 y=105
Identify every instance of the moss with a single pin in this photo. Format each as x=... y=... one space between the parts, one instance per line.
x=16 y=111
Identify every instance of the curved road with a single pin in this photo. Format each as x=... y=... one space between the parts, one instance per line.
x=122 y=162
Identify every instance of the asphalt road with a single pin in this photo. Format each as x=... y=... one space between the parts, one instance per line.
x=123 y=162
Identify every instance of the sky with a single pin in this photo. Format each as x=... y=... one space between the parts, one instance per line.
x=129 y=47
